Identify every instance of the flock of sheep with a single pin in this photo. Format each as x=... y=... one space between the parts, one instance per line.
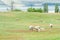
x=38 y=28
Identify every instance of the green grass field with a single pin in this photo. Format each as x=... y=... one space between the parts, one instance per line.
x=14 y=26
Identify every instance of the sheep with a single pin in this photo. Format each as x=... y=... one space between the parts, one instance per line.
x=31 y=27
x=51 y=25
x=34 y=28
x=37 y=28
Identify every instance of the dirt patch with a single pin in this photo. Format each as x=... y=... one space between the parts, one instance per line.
x=46 y=30
x=18 y=31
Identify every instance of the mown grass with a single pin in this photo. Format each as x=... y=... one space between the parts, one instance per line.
x=21 y=21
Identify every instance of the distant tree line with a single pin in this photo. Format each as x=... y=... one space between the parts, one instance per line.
x=34 y=10
x=45 y=9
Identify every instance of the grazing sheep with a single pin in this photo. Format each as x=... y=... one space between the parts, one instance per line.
x=31 y=27
x=51 y=25
x=37 y=28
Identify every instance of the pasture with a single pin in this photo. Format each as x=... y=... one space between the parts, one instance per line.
x=14 y=26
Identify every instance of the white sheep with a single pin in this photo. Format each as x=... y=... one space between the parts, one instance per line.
x=37 y=28
x=51 y=25
x=31 y=27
